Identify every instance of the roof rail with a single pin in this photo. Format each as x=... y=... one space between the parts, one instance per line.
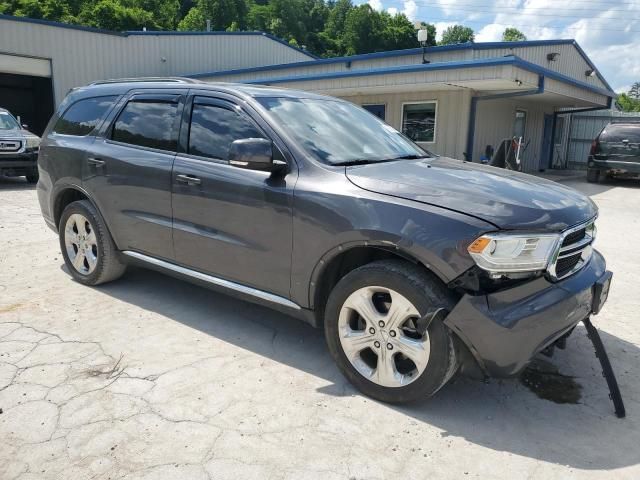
x=146 y=79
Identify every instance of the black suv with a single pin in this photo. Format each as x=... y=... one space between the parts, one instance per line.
x=18 y=148
x=415 y=265
x=615 y=152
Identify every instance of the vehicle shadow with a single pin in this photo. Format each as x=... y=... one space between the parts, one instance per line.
x=15 y=183
x=501 y=415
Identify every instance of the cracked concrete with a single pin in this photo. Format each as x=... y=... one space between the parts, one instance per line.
x=153 y=378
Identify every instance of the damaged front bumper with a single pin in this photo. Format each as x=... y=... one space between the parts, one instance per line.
x=505 y=329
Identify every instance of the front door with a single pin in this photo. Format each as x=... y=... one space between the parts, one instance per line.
x=230 y=222
x=128 y=172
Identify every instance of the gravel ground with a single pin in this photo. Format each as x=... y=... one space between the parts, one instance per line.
x=153 y=378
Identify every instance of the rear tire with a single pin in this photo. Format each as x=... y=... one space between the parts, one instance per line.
x=593 y=175
x=87 y=247
x=369 y=327
x=33 y=177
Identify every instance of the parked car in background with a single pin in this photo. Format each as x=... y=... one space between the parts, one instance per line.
x=18 y=148
x=615 y=152
x=416 y=266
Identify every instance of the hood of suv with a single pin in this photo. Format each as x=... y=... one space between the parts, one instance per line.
x=507 y=199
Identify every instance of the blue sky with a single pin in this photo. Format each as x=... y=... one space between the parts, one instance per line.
x=609 y=31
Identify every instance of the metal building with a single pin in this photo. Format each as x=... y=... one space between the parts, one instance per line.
x=41 y=60
x=576 y=131
x=456 y=99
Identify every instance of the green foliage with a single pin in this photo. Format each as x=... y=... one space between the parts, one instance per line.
x=634 y=91
x=457 y=34
x=627 y=103
x=324 y=27
x=511 y=34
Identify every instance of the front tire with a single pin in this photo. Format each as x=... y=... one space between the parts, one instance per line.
x=88 y=250
x=33 y=176
x=370 y=328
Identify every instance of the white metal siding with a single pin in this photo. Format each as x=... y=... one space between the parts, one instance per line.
x=451 y=117
x=79 y=57
x=494 y=123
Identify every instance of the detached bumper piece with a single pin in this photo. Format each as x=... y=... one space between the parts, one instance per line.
x=607 y=371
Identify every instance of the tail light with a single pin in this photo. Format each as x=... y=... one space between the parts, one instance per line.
x=595 y=146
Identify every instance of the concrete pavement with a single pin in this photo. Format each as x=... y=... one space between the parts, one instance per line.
x=153 y=378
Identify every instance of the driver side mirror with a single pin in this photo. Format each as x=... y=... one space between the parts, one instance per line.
x=254 y=154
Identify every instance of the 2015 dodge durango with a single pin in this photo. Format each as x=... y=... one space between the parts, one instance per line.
x=416 y=266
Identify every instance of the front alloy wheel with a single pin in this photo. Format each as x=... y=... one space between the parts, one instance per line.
x=379 y=336
x=374 y=333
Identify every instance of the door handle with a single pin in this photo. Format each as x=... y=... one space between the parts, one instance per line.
x=95 y=161
x=188 y=179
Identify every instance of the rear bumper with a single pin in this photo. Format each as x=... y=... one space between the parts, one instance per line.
x=24 y=160
x=504 y=330
x=623 y=167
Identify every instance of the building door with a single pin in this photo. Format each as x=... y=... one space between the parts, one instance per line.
x=547 y=136
x=378 y=110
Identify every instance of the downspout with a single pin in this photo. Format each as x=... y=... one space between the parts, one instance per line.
x=474 y=108
x=555 y=119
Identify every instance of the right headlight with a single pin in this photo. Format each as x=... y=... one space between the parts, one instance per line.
x=500 y=253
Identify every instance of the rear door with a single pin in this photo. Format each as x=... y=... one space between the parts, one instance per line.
x=620 y=142
x=230 y=222
x=128 y=170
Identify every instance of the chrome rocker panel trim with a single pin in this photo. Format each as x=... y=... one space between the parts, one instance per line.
x=220 y=282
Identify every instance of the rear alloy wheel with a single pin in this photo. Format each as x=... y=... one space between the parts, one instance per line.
x=87 y=247
x=373 y=330
x=81 y=244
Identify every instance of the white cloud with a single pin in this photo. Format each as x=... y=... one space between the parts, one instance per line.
x=392 y=11
x=376 y=4
x=410 y=9
x=490 y=33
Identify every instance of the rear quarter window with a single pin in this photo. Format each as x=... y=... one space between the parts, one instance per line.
x=618 y=133
x=84 y=115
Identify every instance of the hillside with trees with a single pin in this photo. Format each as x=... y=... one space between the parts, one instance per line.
x=323 y=27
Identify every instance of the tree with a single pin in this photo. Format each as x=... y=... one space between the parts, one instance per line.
x=398 y=32
x=627 y=103
x=511 y=34
x=634 y=91
x=222 y=14
x=363 y=30
x=457 y=34
x=113 y=15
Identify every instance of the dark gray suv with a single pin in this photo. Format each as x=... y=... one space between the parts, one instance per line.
x=416 y=266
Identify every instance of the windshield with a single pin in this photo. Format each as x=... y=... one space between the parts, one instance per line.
x=340 y=133
x=7 y=122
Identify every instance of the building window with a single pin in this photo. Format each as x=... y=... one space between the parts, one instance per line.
x=377 y=109
x=419 y=121
x=520 y=124
x=559 y=130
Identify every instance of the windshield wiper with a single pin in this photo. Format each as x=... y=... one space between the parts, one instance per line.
x=363 y=162
x=411 y=156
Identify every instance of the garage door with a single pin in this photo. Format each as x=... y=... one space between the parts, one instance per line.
x=26 y=90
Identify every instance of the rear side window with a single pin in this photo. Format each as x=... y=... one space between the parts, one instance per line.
x=618 y=133
x=83 y=116
x=148 y=124
x=214 y=128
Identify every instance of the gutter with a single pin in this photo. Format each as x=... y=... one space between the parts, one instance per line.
x=474 y=108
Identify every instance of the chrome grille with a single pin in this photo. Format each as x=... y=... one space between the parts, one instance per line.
x=10 y=146
x=574 y=251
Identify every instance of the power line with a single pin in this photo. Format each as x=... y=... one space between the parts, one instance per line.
x=551 y=27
